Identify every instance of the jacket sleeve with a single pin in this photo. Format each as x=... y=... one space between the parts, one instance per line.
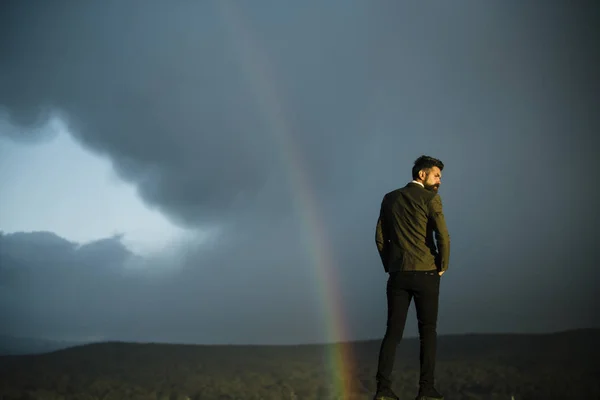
x=381 y=238
x=442 y=237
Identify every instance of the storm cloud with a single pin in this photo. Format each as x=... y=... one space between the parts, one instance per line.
x=279 y=127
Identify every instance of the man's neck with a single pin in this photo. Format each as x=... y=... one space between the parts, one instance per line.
x=418 y=183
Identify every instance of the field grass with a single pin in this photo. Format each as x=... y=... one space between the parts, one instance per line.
x=550 y=366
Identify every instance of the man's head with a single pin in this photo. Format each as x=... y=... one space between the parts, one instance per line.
x=428 y=171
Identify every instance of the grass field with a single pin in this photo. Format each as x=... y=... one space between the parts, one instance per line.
x=550 y=366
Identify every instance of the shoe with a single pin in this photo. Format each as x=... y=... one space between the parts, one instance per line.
x=429 y=394
x=385 y=394
x=385 y=397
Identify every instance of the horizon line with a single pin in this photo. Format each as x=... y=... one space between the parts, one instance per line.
x=77 y=343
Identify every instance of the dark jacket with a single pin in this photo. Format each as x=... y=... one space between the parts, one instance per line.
x=408 y=219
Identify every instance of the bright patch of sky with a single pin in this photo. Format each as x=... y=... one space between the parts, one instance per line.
x=57 y=185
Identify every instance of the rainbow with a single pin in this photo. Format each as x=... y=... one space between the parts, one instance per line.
x=255 y=65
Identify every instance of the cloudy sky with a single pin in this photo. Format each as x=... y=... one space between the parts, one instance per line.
x=211 y=172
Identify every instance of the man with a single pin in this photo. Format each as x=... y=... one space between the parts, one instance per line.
x=409 y=219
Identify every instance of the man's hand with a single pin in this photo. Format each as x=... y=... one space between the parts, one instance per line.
x=441 y=273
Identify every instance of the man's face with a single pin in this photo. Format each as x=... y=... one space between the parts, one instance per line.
x=432 y=179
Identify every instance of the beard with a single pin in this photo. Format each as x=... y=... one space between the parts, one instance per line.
x=433 y=188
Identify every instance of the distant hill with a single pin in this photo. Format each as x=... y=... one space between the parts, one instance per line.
x=476 y=366
x=10 y=345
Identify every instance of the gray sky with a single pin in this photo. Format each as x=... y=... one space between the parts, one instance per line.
x=223 y=165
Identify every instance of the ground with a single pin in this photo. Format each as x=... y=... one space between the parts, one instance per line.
x=470 y=367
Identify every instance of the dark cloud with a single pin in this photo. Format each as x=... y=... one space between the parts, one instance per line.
x=55 y=288
x=277 y=124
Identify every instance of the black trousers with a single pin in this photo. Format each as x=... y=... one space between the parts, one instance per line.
x=402 y=287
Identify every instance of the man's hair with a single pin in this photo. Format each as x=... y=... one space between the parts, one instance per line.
x=426 y=163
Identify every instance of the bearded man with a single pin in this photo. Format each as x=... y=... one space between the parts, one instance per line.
x=409 y=219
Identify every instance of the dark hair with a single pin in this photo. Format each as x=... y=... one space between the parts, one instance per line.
x=425 y=162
